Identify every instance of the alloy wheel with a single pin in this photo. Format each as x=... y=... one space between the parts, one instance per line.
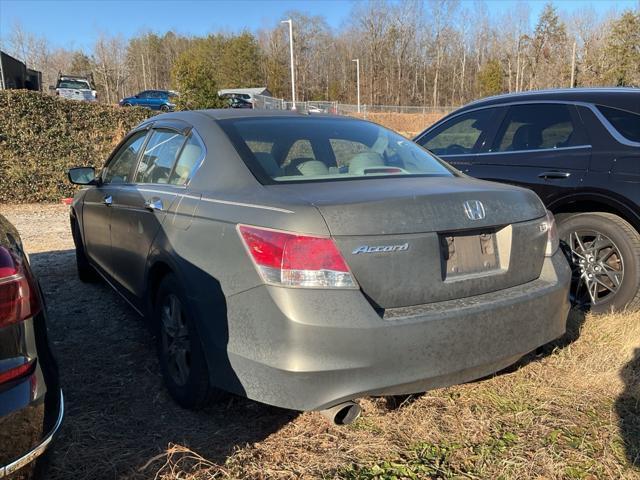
x=597 y=267
x=175 y=339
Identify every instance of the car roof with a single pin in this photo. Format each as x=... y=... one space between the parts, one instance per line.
x=618 y=97
x=225 y=113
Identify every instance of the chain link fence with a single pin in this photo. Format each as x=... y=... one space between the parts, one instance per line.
x=271 y=103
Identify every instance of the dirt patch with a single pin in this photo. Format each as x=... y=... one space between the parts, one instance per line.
x=569 y=411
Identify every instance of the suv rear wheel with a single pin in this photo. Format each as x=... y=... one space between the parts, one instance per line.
x=182 y=360
x=605 y=256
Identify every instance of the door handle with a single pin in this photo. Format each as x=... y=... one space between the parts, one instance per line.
x=108 y=200
x=554 y=175
x=155 y=204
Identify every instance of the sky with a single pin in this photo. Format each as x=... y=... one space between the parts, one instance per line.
x=74 y=24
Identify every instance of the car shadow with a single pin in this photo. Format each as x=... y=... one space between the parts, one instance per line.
x=575 y=320
x=120 y=421
x=628 y=409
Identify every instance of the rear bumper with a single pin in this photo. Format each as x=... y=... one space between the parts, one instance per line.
x=28 y=457
x=311 y=349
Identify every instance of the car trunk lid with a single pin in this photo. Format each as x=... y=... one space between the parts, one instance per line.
x=411 y=241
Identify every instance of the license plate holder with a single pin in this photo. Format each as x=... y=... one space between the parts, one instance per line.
x=473 y=253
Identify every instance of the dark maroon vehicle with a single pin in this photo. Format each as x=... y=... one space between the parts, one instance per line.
x=31 y=405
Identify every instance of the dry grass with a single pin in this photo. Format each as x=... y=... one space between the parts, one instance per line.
x=407 y=124
x=571 y=410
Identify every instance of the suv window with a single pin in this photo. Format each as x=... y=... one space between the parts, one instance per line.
x=159 y=157
x=119 y=168
x=627 y=123
x=189 y=160
x=536 y=127
x=460 y=134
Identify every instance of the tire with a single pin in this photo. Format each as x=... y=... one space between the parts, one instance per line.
x=182 y=359
x=607 y=248
x=127 y=105
x=86 y=273
x=165 y=108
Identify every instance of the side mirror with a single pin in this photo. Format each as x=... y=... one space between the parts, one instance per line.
x=137 y=96
x=82 y=176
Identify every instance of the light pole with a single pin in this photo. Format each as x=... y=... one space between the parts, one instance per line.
x=357 y=60
x=293 y=77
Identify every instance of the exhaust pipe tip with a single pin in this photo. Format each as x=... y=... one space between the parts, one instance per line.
x=343 y=413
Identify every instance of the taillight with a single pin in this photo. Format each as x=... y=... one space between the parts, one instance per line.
x=17 y=372
x=19 y=298
x=553 y=240
x=294 y=260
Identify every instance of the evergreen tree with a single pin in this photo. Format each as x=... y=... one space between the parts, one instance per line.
x=194 y=75
x=490 y=78
x=623 y=50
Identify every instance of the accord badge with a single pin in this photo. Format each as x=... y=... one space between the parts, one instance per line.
x=381 y=248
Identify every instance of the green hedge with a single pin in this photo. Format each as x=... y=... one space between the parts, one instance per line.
x=41 y=136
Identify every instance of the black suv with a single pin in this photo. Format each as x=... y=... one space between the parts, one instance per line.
x=579 y=150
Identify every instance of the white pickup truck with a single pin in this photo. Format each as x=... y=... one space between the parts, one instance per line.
x=75 y=88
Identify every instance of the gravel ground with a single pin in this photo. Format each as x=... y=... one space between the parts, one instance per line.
x=119 y=419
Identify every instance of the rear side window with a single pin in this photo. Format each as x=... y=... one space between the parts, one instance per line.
x=119 y=168
x=189 y=160
x=627 y=123
x=459 y=135
x=536 y=127
x=159 y=156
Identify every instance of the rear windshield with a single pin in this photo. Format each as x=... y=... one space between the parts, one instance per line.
x=75 y=84
x=627 y=123
x=300 y=149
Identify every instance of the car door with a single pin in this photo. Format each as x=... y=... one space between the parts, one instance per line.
x=156 y=100
x=142 y=99
x=139 y=209
x=98 y=200
x=542 y=146
x=457 y=139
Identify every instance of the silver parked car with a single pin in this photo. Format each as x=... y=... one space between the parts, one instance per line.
x=305 y=261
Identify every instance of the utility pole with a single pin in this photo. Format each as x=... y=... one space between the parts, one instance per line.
x=2 y=86
x=293 y=76
x=573 y=66
x=357 y=60
x=144 y=74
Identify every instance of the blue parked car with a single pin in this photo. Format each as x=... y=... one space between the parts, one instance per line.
x=153 y=99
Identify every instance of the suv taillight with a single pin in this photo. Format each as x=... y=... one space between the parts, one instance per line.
x=19 y=297
x=293 y=260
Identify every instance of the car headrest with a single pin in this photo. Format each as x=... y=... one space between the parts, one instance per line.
x=364 y=160
x=527 y=137
x=313 y=167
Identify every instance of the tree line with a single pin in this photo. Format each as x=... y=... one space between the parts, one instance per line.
x=414 y=52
